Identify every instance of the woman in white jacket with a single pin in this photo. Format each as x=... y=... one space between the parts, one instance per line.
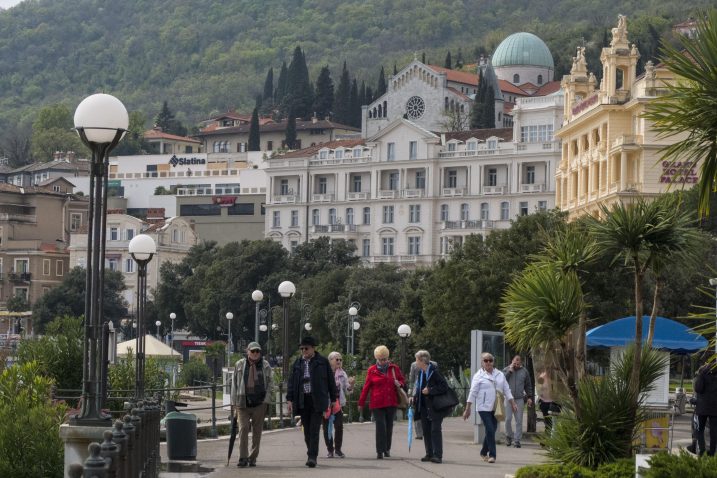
x=485 y=383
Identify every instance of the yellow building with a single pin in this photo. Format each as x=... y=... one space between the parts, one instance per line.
x=609 y=151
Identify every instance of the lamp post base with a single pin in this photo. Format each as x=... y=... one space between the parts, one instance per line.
x=77 y=437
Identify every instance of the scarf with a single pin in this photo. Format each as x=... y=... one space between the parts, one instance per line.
x=253 y=376
x=382 y=368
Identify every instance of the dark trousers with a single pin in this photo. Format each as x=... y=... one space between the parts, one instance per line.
x=384 y=427
x=548 y=409
x=334 y=444
x=311 y=421
x=701 y=434
x=432 y=435
x=491 y=425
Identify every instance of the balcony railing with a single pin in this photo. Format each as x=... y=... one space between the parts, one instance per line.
x=329 y=228
x=494 y=189
x=358 y=196
x=20 y=276
x=285 y=199
x=532 y=188
x=413 y=193
x=388 y=194
x=453 y=192
x=322 y=197
x=468 y=224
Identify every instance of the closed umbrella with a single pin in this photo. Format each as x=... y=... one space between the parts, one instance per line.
x=410 y=427
x=232 y=437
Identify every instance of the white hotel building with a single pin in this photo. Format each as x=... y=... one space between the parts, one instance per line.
x=405 y=195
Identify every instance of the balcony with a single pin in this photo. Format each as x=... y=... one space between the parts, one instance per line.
x=468 y=224
x=532 y=188
x=388 y=194
x=413 y=193
x=20 y=276
x=333 y=228
x=284 y=199
x=627 y=142
x=453 y=192
x=358 y=196
x=322 y=197
x=495 y=189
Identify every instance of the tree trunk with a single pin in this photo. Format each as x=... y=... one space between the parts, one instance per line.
x=653 y=316
x=580 y=347
x=637 y=361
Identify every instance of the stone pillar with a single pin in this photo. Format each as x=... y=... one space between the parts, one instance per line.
x=77 y=438
x=623 y=171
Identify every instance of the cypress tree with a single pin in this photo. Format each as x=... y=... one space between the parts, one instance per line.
x=269 y=86
x=354 y=105
x=290 y=139
x=342 y=98
x=369 y=96
x=281 y=83
x=324 y=99
x=395 y=70
x=423 y=57
x=381 y=88
x=459 y=59
x=489 y=108
x=477 y=110
x=447 y=63
x=300 y=96
x=254 y=139
x=362 y=94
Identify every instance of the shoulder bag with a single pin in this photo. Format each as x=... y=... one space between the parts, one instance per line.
x=499 y=404
x=445 y=401
x=400 y=394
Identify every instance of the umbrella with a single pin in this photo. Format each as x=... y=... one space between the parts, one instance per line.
x=232 y=437
x=410 y=427
x=330 y=428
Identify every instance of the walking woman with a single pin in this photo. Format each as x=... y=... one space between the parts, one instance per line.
x=344 y=385
x=381 y=382
x=486 y=383
x=429 y=383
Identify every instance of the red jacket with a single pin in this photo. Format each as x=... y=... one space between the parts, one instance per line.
x=381 y=386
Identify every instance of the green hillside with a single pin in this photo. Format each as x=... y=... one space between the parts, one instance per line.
x=205 y=57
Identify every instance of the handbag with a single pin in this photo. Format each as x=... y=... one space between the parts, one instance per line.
x=445 y=401
x=499 y=405
x=400 y=394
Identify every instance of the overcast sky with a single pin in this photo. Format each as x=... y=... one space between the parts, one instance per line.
x=8 y=3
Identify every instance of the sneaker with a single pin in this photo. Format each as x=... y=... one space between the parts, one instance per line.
x=517 y=444
x=330 y=454
x=379 y=456
x=435 y=459
x=484 y=457
x=508 y=441
x=311 y=463
x=491 y=460
x=339 y=454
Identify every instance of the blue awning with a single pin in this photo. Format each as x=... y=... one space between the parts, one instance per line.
x=669 y=335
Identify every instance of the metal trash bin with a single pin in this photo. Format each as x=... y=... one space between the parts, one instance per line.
x=181 y=436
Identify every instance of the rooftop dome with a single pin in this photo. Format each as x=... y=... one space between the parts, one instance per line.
x=522 y=49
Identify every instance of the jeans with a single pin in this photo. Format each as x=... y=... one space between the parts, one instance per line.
x=384 y=427
x=334 y=444
x=311 y=421
x=701 y=434
x=432 y=434
x=518 y=420
x=491 y=425
x=256 y=416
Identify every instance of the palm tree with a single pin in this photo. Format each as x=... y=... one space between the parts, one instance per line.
x=691 y=104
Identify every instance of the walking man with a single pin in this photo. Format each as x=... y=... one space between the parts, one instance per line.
x=311 y=391
x=521 y=387
x=250 y=396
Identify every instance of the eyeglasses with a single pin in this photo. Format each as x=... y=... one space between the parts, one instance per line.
x=338 y=359
x=304 y=348
x=255 y=351
x=488 y=360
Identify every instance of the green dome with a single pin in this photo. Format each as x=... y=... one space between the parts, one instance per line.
x=523 y=49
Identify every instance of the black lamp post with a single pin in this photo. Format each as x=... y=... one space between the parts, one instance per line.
x=257 y=296
x=142 y=248
x=404 y=331
x=351 y=326
x=287 y=289
x=101 y=121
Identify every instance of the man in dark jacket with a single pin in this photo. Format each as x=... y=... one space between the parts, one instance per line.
x=311 y=390
x=521 y=387
x=706 y=390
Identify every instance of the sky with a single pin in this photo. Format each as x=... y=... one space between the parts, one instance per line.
x=8 y=3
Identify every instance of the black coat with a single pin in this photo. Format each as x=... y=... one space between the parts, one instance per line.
x=437 y=385
x=706 y=389
x=323 y=385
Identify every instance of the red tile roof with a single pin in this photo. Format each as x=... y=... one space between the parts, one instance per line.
x=458 y=93
x=312 y=150
x=301 y=125
x=157 y=134
x=508 y=87
x=548 y=88
x=457 y=76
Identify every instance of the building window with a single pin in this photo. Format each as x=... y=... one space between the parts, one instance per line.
x=292 y=246
x=530 y=175
x=451 y=147
x=113 y=264
x=367 y=215
x=294 y=218
x=542 y=206
x=46 y=267
x=524 y=208
x=516 y=78
x=464 y=212
x=114 y=234
x=412 y=149
x=366 y=248
x=22 y=266
x=75 y=221
x=387 y=246
x=276 y=219
x=452 y=178
x=129 y=265
x=540 y=79
x=388 y=214
x=314 y=217
x=484 y=211
x=414 y=246
x=471 y=146
x=393 y=181
x=349 y=215
x=444 y=212
x=323 y=154
x=414 y=213
x=492 y=177
x=175 y=235
x=492 y=144
x=390 y=151
x=332 y=216
x=357 y=184
x=269 y=145
x=323 y=185
x=420 y=180
x=504 y=211
x=339 y=154
x=284 y=187
x=130 y=233
x=357 y=152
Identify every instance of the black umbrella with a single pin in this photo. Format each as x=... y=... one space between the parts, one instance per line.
x=232 y=436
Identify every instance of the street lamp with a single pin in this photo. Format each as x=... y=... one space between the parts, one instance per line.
x=158 y=323
x=142 y=248
x=257 y=296
x=404 y=331
x=305 y=317
x=308 y=327
x=172 y=316
x=229 y=317
x=350 y=327
x=101 y=121
x=287 y=289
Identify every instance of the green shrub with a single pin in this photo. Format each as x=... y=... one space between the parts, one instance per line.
x=122 y=379
x=194 y=372
x=624 y=468
x=664 y=465
x=30 y=444
x=620 y=469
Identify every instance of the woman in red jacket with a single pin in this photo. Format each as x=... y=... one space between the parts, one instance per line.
x=381 y=381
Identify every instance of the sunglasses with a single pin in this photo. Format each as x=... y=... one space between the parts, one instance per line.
x=488 y=360
x=338 y=360
x=255 y=351
x=304 y=348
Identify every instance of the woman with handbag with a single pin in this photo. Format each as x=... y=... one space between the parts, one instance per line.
x=485 y=388
x=430 y=386
x=384 y=381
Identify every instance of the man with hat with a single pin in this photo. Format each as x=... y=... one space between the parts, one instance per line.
x=251 y=393
x=311 y=390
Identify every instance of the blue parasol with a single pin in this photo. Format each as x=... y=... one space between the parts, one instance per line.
x=410 y=427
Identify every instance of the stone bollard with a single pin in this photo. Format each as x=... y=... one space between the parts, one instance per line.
x=75 y=470
x=119 y=437
x=110 y=452
x=140 y=451
x=95 y=466
x=131 y=445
